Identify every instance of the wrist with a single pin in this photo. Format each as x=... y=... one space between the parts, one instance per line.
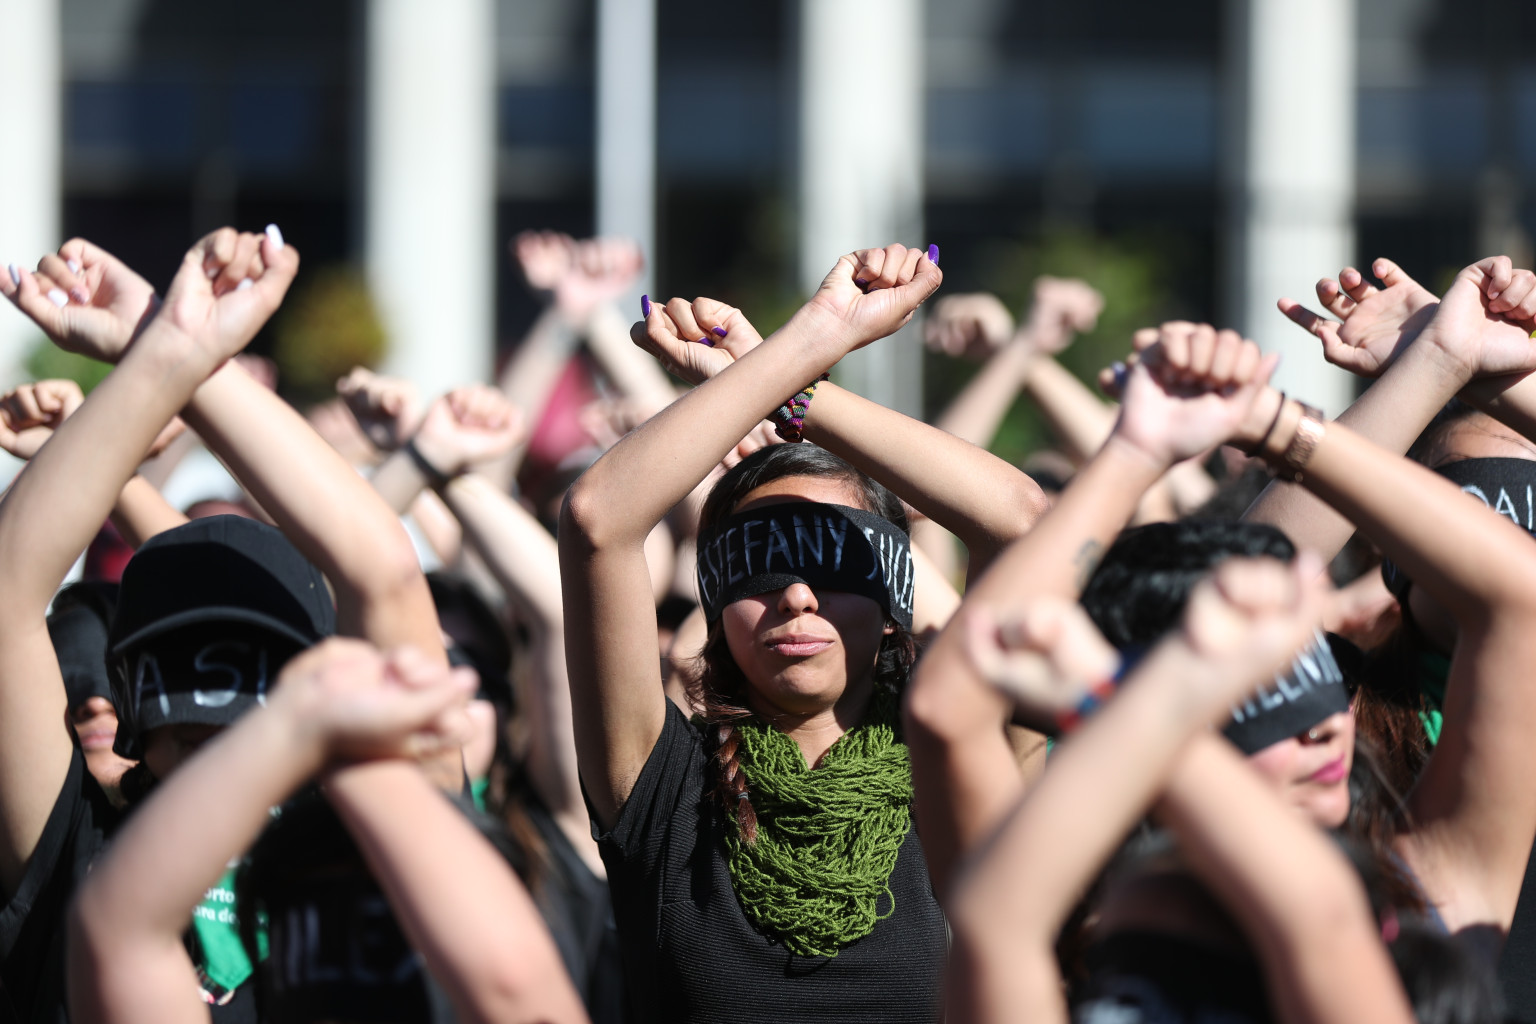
x=1261 y=423
x=292 y=732
x=1136 y=454
x=823 y=331
x=1449 y=368
x=437 y=464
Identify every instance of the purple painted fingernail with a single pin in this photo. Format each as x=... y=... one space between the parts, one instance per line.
x=719 y=332
x=706 y=341
x=58 y=298
x=933 y=254
x=245 y=285
x=73 y=265
x=80 y=295
x=645 y=306
x=15 y=275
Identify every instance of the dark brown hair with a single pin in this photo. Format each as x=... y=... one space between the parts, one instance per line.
x=718 y=686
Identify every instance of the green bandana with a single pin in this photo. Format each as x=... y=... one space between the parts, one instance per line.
x=827 y=839
x=218 y=933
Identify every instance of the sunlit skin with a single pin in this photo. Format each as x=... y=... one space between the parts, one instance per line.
x=95 y=724
x=808 y=656
x=1312 y=774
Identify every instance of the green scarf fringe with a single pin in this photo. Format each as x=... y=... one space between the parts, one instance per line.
x=827 y=840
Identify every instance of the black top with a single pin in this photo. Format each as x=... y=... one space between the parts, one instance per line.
x=575 y=905
x=32 y=928
x=1517 y=965
x=691 y=955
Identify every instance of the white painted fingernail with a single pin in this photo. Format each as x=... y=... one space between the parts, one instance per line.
x=15 y=275
x=245 y=285
x=212 y=272
x=73 y=265
x=58 y=298
x=275 y=234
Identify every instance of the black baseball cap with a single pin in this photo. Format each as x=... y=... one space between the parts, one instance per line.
x=208 y=612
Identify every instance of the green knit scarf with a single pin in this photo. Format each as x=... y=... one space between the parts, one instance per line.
x=827 y=839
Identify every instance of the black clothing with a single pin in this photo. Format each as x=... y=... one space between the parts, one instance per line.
x=691 y=955
x=32 y=924
x=1517 y=964
x=576 y=906
x=1157 y=978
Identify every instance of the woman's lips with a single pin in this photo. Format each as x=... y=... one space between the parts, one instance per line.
x=97 y=739
x=798 y=645
x=1330 y=773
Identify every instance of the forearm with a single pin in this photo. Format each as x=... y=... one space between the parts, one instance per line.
x=1391 y=414
x=628 y=491
x=184 y=835
x=399 y=481
x=1510 y=399
x=975 y=495
x=455 y=897
x=525 y=560
x=631 y=370
x=962 y=763
x=1025 y=879
x=979 y=409
x=142 y=512
x=58 y=502
x=1476 y=563
x=1080 y=420
x=324 y=507
x=1285 y=882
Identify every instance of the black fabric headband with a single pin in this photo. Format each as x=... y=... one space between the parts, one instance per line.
x=1311 y=690
x=830 y=547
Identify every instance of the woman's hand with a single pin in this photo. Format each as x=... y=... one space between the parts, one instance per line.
x=230 y=283
x=355 y=703
x=1189 y=389
x=1047 y=657
x=972 y=326
x=871 y=294
x=1063 y=308
x=85 y=299
x=578 y=276
x=387 y=409
x=694 y=340
x=1375 y=325
x=1476 y=339
x=31 y=413
x=468 y=427
x=1248 y=619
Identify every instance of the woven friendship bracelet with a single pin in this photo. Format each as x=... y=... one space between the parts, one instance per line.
x=789 y=418
x=1091 y=701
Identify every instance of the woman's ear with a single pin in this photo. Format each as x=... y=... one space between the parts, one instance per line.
x=890 y=627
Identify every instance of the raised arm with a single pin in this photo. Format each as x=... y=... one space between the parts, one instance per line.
x=60 y=499
x=610 y=621
x=1011 y=902
x=340 y=700
x=1289 y=887
x=1424 y=354
x=456 y=898
x=1473 y=811
x=964 y=778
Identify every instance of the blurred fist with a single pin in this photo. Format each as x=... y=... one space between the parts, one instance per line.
x=580 y=276
x=467 y=427
x=387 y=409
x=1063 y=307
x=973 y=325
x=31 y=413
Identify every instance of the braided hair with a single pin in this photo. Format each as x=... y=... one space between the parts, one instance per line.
x=719 y=687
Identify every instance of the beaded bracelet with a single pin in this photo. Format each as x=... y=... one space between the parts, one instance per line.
x=1091 y=701
x=789 y=418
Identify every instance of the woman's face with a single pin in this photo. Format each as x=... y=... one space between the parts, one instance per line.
x=1311 y=770
x=804 y=651
x=95 y=724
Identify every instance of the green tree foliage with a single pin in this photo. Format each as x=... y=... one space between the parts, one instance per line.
x=325 y=330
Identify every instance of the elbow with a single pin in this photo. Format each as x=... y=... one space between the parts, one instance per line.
x=586 y=519
x=1025 y=503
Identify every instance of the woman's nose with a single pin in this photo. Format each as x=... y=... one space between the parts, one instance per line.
x=797 y=598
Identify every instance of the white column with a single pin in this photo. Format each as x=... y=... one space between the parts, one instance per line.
x=861 y=162
x=30 y=164
x=1292 y=211
x=626 y=128
x=431 y=206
